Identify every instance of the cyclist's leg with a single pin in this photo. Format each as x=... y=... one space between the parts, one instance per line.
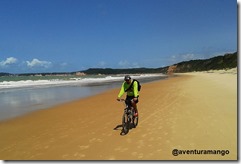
x=134 y=105
x=131 y=101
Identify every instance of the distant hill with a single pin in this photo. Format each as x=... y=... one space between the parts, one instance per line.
x=5 y=74
x=216 y=63
x=109 y=71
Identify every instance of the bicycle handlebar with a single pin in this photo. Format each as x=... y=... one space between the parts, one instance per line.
x=121 y=100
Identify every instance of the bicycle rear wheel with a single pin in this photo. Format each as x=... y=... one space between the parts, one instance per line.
x=125 y=123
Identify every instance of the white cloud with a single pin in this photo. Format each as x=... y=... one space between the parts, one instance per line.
x=8 y=61
x=188 y=57
x=126 y=64
x=102 y=64
x=135 y=65
x=123 y=63
x=64 y=64
x=38 y=63
x=182 y=57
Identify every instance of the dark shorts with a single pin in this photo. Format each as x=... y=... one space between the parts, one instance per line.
x=129 y=98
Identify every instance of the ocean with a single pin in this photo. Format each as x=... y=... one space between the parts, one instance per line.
x=23 y=94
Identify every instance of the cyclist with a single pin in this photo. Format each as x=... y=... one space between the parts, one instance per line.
x=132 y=93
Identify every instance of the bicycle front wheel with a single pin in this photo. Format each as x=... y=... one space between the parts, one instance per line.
x=125 y=123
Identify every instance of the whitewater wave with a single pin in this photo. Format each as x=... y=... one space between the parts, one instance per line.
x=71 y=81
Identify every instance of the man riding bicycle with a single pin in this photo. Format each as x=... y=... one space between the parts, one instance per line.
x=132 y=93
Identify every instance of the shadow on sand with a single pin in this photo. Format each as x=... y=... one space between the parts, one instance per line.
x=120 y=127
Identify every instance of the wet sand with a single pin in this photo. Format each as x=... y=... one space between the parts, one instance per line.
x=194 y=111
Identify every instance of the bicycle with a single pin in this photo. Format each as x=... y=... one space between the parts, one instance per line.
x=128 y=117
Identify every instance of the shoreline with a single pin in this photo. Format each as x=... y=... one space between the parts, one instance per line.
x=172 y=116
x=26 y=100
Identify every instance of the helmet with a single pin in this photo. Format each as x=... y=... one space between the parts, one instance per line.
x=127 y=77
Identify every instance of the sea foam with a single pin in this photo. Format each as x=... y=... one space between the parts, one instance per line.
x=69 y=81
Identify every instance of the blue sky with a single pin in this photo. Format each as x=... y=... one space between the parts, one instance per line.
x=73 y=35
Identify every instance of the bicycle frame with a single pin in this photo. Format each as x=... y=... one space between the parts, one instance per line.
x=126 y=106
x=128 y=117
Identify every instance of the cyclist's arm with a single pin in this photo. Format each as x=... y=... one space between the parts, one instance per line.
x=122 y=91
x=135 y=89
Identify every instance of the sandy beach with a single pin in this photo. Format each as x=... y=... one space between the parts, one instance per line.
x=190 y=113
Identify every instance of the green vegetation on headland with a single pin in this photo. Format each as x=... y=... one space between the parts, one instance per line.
x=226 y=61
